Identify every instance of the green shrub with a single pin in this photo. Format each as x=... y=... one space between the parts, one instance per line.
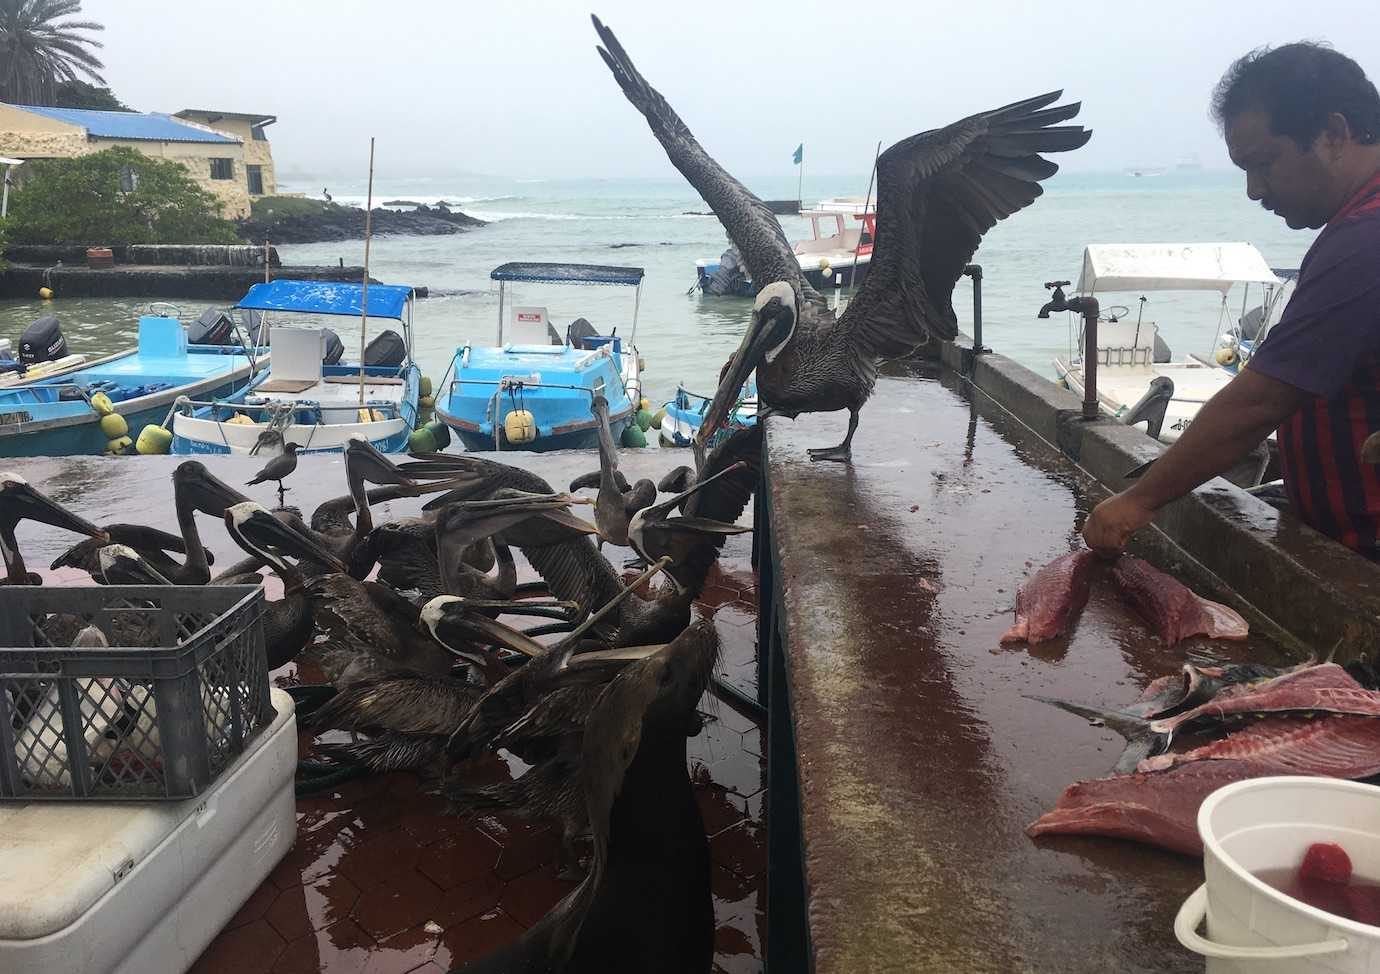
x=118 y=196
x=271 y=208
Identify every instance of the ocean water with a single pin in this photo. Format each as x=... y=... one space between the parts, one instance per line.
x=684 y=336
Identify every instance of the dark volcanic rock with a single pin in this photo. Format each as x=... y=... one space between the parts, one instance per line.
x=347 y=223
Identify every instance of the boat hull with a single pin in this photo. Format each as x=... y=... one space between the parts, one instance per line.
x=555 y=384
x=81 y=435
x=838 y=277
x=206 y=430
x=587 y=439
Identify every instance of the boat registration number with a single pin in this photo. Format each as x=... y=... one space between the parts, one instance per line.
x=16 y=417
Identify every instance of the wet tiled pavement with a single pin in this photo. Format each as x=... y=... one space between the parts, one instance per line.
x=382 y=880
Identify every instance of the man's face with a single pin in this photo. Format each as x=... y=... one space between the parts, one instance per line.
x=1297 y=184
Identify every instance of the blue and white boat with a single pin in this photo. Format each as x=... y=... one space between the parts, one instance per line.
x=319 y=407
x=685 y=413
x=52 y=415
x=532 y=388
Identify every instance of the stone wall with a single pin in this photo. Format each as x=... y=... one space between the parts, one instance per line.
x=257 y=152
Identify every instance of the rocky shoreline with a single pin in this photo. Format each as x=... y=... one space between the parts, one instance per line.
x=333 y=222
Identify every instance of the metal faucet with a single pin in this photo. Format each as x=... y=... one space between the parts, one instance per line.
x=1057 y=301
x=1088 y=307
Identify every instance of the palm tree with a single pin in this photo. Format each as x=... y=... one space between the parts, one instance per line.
x=38 y=49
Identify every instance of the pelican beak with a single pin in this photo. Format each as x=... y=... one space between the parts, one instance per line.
x=206 y=492
x=470 y=521
x=20 y=502
x=372 y=466
x=772 y=325
x=264 y=530
x=453 y=622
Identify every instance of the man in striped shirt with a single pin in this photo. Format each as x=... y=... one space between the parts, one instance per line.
x=1303 y=122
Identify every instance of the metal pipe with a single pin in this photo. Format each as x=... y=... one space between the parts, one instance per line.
x=499 y=342
x=974 y=271
x=637 y=305
x=1089 y=309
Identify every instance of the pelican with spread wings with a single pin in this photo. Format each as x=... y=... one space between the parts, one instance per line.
x=937 y=194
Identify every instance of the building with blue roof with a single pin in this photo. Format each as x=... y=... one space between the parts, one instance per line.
x=226 y=153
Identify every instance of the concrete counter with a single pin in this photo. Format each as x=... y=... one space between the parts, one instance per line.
x=917 y=758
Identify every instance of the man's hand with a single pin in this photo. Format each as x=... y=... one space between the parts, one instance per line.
x=1112 y=523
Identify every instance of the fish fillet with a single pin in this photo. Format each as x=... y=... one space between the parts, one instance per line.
x=1332 y=746
x=1048 y=603
x=1158 y=809
x=1325 y=688
x=1170 y=607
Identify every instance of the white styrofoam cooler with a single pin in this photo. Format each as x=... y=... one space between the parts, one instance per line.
x=143 y=887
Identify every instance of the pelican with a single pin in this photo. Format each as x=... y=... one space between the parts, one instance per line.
x=937 y=194
x=617 y=502
x=287 y=621
x=645 y=904
x=20 y=502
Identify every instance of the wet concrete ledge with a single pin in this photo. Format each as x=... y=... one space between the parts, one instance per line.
x=1314 y=589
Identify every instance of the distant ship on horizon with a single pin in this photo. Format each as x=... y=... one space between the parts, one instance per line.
x=1189 y=162
x=1145 y=171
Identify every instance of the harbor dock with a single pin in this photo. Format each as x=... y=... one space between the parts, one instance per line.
x=901 y=753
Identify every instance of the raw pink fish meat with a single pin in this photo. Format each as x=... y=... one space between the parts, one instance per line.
x=1047 y=604
x=1325 y=688
x=1333 y=746
x=1158 y=809
x=1170 y=607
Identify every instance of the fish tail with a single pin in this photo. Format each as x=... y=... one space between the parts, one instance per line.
x=1127 y=725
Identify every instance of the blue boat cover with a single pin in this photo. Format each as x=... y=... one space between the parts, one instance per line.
x=567 y=273
x=327 y=298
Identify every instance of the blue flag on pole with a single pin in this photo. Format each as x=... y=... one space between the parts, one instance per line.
x=799 y=155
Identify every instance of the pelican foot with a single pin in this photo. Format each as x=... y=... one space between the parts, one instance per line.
x=840 y=453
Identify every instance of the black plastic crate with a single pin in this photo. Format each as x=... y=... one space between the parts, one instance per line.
x=158 y=714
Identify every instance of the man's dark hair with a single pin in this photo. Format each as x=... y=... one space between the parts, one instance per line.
x=1297 y=86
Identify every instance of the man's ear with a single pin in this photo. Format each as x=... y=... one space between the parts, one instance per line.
x=1336 y=135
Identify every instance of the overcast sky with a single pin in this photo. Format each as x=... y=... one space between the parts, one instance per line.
x=516 y=88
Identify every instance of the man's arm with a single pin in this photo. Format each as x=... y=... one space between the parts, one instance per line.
x=1228 y=426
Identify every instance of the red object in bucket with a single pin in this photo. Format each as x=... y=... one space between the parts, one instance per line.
x=1326 y=861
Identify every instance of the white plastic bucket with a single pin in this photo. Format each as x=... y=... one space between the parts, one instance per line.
x=1268 y=823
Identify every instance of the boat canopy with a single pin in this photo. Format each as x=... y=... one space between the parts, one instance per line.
x=567 y=273
x=1172 y=267
x=327 y=298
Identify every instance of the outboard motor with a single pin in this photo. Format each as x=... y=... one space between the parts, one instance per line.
x=214 y=327
x=387 y=349
x=578 y=331
x=729 y=278
x=259 y=335
x=335 y=348
x=42 y=341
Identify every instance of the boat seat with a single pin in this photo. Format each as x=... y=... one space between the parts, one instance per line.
x=296 y=359
x=1125 y=343
x=531 y=326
